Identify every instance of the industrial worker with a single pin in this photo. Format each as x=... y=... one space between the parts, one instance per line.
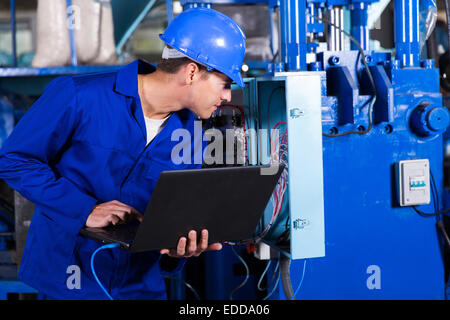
x=90 y=150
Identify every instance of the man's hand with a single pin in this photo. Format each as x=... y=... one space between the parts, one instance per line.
x=112 y=212
x=186 y=249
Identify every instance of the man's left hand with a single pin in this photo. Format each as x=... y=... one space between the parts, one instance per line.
x=190 y=247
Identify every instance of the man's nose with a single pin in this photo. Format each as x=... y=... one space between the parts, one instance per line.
x=226 y=95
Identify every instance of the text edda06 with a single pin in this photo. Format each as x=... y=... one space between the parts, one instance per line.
x=225 y=309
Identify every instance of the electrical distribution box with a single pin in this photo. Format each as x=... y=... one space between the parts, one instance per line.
x=413 y=182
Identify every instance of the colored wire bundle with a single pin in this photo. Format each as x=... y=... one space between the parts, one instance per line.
x=278 y=154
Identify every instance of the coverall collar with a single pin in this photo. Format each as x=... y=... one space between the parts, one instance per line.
x=127 y=82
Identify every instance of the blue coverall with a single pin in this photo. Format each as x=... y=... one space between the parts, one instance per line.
x=82 y=143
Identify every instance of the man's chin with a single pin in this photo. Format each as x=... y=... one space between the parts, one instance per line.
x=204 y=115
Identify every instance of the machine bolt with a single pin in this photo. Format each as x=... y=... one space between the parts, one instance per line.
x=334 y=60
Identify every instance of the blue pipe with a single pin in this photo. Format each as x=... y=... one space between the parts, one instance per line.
x=406 y=30
x=169 y=8
x=293 y=34
x=73 y=51
x=13 y=32
x=359 y=29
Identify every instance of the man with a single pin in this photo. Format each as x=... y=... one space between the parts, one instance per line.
x=90 y=150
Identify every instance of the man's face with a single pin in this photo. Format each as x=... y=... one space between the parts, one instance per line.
x=208 y=92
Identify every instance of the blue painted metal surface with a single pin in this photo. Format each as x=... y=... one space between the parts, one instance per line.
x=365 y=229
x=367 y=234
x=304 y=128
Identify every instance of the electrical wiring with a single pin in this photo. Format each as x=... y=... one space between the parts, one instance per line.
x=106 y=246
x=301 y=281
x=277 y=273
x=278 y=154
x=440 y=223
x=434 y=192
x=262 y=276
x=264 y=273
x=435 y=195
x=369 y=74
x=190 y=287
x=246 y=277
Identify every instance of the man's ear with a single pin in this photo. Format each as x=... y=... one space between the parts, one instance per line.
x=191 y=71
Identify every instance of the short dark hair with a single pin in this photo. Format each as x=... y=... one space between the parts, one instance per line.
x=174 y=65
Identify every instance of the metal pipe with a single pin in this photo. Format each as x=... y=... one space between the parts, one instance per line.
x=293 y=40
x=335 y=38
x=331 y=30
x=320 y=15
x=406 y=30
x=73 y=51
x=169 y=9
x=311 y=17
x=340 y=34
x=13 y=32
x=272 y=31
x=359 y=29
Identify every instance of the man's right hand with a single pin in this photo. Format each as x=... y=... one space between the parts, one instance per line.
x=112 y=212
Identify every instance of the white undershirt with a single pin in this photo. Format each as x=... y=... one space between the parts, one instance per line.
x=154 y=126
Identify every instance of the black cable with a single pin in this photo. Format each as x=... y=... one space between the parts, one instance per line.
x=441 y=228
x=447 y=12
x=274 y=57
x=369 y=74
x=246 y=276
x=434 y=214
x=197 y=296
x=434 y=191
x=435 y=194
x=285 y=273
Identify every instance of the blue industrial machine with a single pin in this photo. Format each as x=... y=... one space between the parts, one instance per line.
x=355 y=121
x=354 y=215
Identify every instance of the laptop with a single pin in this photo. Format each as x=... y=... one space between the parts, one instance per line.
x=228 y=202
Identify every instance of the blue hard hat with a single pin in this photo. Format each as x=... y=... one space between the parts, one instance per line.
x=210 y=38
